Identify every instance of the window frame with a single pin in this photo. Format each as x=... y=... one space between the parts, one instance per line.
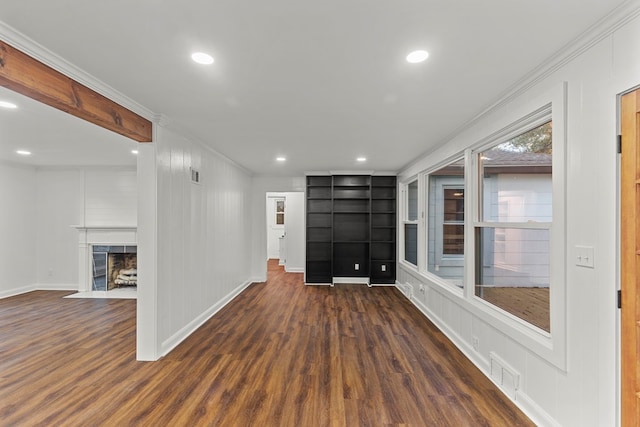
x=406 y=221
x=549 y=345
x=450 y=260
x=549 y=104
x=278 y=213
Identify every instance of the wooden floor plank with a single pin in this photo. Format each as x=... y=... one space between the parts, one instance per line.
x=280 y=354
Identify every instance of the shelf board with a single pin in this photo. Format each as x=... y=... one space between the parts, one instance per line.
x=382 y=212
x=350 y=198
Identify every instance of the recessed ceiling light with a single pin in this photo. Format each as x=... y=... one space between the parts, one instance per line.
x=5 y=104
x=134 y=151
x=417 y=56
x=23 y=152
x=281 y=159
x=202 y=58
x=361 y=159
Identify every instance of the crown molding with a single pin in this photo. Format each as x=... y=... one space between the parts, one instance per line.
x=602 y=29
x=37 y=51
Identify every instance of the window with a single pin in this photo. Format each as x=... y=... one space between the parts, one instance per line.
x=411 y=223
x=279 y=212
x=512 y=235
x=445 y=225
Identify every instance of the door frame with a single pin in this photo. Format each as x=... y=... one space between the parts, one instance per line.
x=294 y=237
x=629 y=273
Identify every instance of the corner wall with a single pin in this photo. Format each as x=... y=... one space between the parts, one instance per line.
x=41 y=206
x=17 y=229
x=203 y=236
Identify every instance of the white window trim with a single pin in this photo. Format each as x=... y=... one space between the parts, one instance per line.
x=447 y=260
x=404 y=214
x=550 y=346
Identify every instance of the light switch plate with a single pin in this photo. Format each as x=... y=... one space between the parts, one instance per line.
x=585 y=256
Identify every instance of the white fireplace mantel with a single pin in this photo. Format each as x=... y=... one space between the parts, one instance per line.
x=99 y=235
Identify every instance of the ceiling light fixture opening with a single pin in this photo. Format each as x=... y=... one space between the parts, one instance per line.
x=281 y=159
x=5 y=104
x=417 y=56
x=202 y=58
x=23 y=152
x=361 y=159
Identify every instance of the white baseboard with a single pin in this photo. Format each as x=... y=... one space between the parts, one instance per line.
x=258 y=279
x=173 y=341
x=38 y=287
x=16 y=291
x=534 y=411
x=56 y=287
x=294 y=270
x=538 y=415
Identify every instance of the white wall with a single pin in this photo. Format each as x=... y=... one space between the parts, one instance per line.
x=37 y=223
x=85 y=197
x=60 y=195
x=295 y=233
x=260 y=185
x=17 y=229
x=110 y=197
x=203 y=237
x=585 y=393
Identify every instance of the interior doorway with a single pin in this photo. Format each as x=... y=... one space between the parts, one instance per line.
x=285 y=229
x=629 y=258
x=276 y=217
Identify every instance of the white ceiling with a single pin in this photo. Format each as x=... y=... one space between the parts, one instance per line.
x=56 y=138
x=318 y=82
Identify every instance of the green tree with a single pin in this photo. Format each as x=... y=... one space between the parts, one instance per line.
x=537 y=140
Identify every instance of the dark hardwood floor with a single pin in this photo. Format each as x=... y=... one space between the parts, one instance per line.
x=280 y=354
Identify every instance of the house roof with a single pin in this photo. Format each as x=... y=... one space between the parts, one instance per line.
x=515 y=159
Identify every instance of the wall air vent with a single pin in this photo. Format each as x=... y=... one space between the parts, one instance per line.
x=195 y=176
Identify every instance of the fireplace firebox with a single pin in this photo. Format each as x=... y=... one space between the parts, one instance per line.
x=114 y=267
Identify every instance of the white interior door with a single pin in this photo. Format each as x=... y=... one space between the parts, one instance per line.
x=275 y=225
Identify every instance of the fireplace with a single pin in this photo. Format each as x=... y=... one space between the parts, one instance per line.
x=114 y=267
x=107 y=258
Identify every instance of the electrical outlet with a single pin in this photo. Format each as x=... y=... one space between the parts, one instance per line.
x=476 y=343
x=383 y=268
x=357 y=267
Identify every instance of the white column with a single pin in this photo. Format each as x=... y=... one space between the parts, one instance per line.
x=84 y=263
